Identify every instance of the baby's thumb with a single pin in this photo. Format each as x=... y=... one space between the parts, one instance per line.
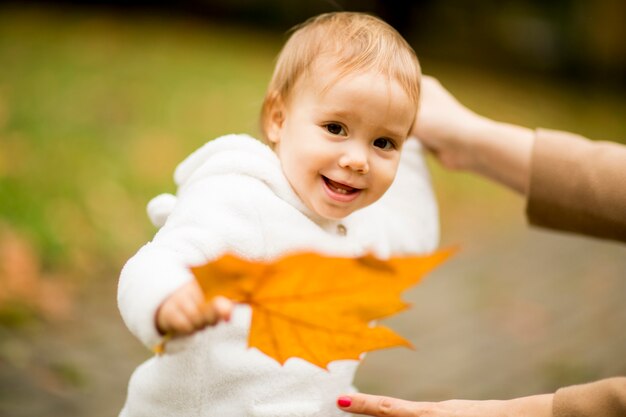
x=219 y=309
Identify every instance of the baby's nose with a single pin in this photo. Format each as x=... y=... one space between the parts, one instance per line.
x=355 y=158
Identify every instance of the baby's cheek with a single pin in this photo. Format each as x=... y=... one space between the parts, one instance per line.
x=387 y=177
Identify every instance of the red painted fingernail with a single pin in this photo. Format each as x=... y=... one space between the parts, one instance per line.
x=344 y=402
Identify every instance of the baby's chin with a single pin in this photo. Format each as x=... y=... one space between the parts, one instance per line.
x=338 y=213
x=334 y=213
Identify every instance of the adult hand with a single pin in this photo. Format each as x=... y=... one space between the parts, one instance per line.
x=373 y=405
x=446 y=127
x=464 y=140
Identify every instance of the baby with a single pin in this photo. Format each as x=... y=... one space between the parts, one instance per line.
x=336 y=120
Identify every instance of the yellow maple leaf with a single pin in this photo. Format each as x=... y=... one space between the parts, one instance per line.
x=314 y=307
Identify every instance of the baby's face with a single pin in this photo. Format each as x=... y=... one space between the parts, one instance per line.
x=339 y=141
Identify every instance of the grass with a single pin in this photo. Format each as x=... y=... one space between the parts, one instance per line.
x=97 y=110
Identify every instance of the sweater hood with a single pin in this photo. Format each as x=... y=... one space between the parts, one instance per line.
x=236 y=154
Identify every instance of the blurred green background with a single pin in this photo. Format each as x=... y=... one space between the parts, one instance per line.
x=99 y=103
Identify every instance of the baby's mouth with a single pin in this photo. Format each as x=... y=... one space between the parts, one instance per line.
x=339 y=188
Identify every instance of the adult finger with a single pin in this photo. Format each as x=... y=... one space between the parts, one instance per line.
x=379 y=406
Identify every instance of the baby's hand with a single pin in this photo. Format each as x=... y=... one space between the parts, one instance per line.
x=185 y=311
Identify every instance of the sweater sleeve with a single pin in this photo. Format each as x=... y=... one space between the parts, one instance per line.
x=208 y=220
x=578 y=185
x=604 y=398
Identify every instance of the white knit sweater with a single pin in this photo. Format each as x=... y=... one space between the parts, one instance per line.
x=233 y=197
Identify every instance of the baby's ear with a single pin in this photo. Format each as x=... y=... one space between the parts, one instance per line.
x=275 y=118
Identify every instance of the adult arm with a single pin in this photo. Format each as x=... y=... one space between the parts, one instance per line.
x=373 y=405
x=571 y=183
x=577 y=185
x=604 y=398
x=464 y=140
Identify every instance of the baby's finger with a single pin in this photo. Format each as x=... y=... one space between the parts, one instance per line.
x=218 y=309
x=209 y=314
x=178 y=322
x=223 y=307
x=193 y=311
x=195 y=292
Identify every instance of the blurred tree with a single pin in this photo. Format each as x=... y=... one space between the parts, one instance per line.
x=575 y=38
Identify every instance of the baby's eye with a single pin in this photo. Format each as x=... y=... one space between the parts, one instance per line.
x=335 y=129
x=384 y=144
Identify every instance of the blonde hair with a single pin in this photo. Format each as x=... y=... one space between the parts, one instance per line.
x=355 y=42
